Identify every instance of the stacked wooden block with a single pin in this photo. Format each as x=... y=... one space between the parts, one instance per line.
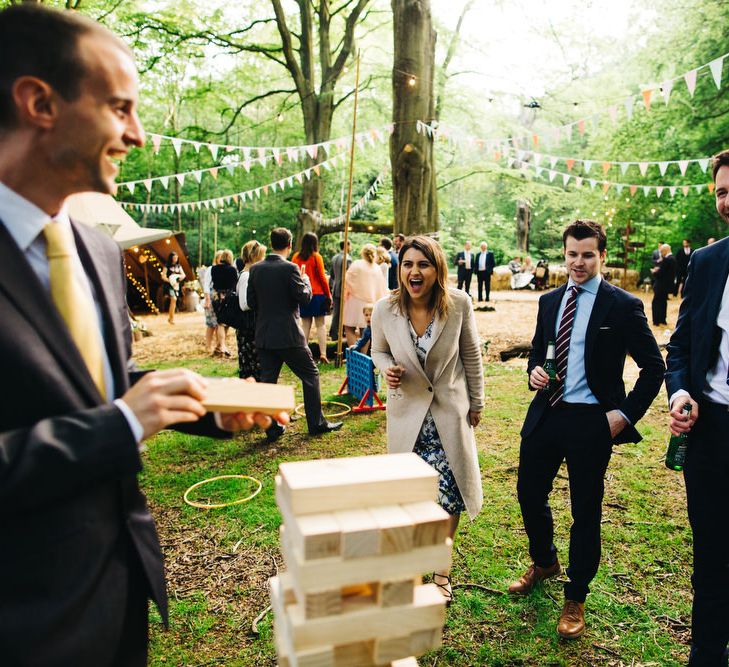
x=357 y=535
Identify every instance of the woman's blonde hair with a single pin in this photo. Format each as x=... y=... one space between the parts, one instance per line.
x=217 y=256
x=252 y=252
x=383 y=257
x=226 y=256
x=440 y=300
x=368 y=253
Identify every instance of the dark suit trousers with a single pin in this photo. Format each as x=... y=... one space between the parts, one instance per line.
x=659 y=305
x=464 y=278
x=334 y=326
x=707 y=490
x=579 y=434
x=484 y=281
x=301 y=363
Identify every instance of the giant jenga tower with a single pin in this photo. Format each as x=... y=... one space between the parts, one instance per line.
x=358 y=534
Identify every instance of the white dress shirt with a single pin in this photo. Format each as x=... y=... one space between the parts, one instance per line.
x=25 y=222
x=467 y=258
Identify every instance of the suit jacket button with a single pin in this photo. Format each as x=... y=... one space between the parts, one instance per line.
x=430 y=389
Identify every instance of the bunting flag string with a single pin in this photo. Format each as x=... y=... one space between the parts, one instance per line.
x=276 y=153
x=280 y=184
x=580 y=181
x=360 y=205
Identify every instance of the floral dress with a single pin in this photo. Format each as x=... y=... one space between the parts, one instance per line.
x=428 y=445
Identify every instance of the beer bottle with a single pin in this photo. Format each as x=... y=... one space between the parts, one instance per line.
x=550 y=368
x=677 y=445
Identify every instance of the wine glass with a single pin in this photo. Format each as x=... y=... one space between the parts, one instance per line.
x=396 y=394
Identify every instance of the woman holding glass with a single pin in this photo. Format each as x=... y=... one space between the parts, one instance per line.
x=425 y=343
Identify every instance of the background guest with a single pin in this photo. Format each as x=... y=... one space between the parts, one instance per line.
x=425 y=342
x=392 y=275
x=335 y=284
x=363 y=343
x=211 y=322
x=248 y=364
x=682 y=262
x=364 y=284
x=223 y=278
x=485 y=264
x=464 y=262
x=382 y=257
x=321 y=301
x=174 y=276
x=664 y=275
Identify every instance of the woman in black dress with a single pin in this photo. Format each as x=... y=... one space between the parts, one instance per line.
x=174 y=276
x=223 y=277
x=248 y=366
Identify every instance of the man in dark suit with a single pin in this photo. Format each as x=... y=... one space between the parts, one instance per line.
x=664 y=276
x=276 y=288
x=464 y=262
x=592 y=326
x=335 y=286
x=682 y=261
x=80 y=556
x=484 y=268
x=392 y=272
x=698 y=359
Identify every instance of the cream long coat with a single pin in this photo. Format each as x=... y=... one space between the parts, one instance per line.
x=450 y=385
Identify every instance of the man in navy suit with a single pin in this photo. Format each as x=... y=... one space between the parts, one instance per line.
x=698 y=360
x=464 y=262
x=594 y=325
x=484 y=268
x=80 y=557
x=683 y=257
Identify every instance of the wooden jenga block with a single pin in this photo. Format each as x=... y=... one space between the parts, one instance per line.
x=325 y=603
x=360 y=533
x=337 y=572
x=394 y=593
x=354 y=654
x=396 y=529
x=422 y=641
x=311 y=487
x=406 y=662
x=236 y=395
x=431 y=523
x=388 y=649
x=316 y=657
x=427 y=611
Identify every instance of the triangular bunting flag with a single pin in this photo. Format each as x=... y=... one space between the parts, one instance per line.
x=246 y=153
x=552 y=174
x=629 y=103
x=262 y=156
x=633 y=190
x=290 y=153
x=196 y=145
x=510 y=163
x=685 y=190
x=230 y=168
x=662 y=166
x=683 y=165
x=565 y=179
x=535 y=140
x=570 y=162
x=690 y=79
x=317 y=169
x=148 y=184
x=581 y=126
x=619 y=187
x=698 y=188
x=647 y=94
x=659 y=191
x=646 y=190
x=553 y=161
x=327 y=165
x=312 y=151
x=704 y=164
x=666 y=88
x=214 y=173
x=672 y=191
x=247 y=165
x=265 y=189
x=606 y=167
x=711 y=187
x=198 y=175
x=165 y=180
x=587 y=164
x=715 y=67
x=290 y=181
x=180 y=178
x=605 y=187
x=273 y=187
x=567 y=131
x=613 y=111
x=156 y=141
x=177 y=145
x=578 y=181
x=277 y=156
x=624 y=167
x=213 y=148
x=537 y=158
x=643 y=166
x=593 y=183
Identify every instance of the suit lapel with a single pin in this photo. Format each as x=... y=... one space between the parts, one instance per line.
x=601 y=307
x=717 y=286
x=23 y=289
x=552 y=310
x=92 y=254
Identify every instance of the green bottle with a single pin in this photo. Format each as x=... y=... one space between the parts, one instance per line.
x=550 y=368
x=677 y=445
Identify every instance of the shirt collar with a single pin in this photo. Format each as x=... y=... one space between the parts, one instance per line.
x=590 y=286
x=23 y=219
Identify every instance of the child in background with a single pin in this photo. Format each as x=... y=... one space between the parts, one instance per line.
x=363 y=344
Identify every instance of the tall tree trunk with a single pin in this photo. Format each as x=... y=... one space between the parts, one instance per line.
x=411 y=153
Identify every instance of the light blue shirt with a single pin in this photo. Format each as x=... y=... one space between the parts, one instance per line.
x=576 y=389
x=25 y=222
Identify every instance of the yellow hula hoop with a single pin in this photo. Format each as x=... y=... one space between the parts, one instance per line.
x=299 y=410
x=214 y=506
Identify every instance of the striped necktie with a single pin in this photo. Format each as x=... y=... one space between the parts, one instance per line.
x=564 y=334
x=73 y=302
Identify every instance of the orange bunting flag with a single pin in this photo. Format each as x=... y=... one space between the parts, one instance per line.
x=214 y=173
x=633 y=190
x=647 y=94
x=605 y=187
x=581 y=126
x=317 y=169
x=606 y=167
x=497 y=155
x=711 y=187
x=535 y=140
x=265 y=189
x=570 y=163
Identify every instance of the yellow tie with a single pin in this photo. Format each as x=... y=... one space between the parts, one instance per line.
x=73 y=302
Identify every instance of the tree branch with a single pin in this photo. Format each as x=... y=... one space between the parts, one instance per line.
x=291 y=64
x=443 y=73
x=252 y=100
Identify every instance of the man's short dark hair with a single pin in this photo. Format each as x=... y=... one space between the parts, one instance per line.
x=585 y=229
x=718 y=161
x=401 y=236
x=280 y=238
x=386 y=243
x=40 y=42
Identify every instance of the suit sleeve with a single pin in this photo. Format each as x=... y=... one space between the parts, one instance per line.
x=251 y=290
x=642 y=346
x=537 y=354
x=678 y=359
x=299 y=290
x=469 y=349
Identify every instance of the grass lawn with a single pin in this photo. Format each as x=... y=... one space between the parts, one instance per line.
x=218 y=561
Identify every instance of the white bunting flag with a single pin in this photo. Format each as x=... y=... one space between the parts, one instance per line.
x=553 y=161
x=327 y=165
x=552 y=174
x=538 y=171
x=587 y=164
x=537 y=158
x=213 y=148
x=180 y=178
x=690 y=79
x=672 y=191
x=419 y=126
x=578 y=181
x=148 y=184
x=663 y=166
x=624 y=167
x=510 y=162
x=704 y=164
x=312 y=151
x=629 y=103
x=593 y=183
x=290 y=181
x=130 y=186
x=619 y=187
x=156 y=141
x=246 y=153
x=613 y=111
x=659 y=191
x=683 y=165
x=247 y=165
x=298 y=177
x=643 y=166
x=230 y=168
x=685 y=190
x=196 y=145
x=177 y=145
x=646 y=190
x=198 y=175
x=277 y=155
x=262 y=156
x=666 y=88
x=565 y=179
x=715 y=67
x=165 y=180
x=698 y=188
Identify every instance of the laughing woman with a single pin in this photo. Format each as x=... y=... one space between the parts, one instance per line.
x=425 y=343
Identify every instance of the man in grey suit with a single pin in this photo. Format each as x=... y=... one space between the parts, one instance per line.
x=335 y=285
x=276 y=288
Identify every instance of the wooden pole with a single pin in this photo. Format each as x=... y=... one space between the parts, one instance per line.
x=339 y=358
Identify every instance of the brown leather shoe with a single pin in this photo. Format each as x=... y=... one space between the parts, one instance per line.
x=572 y=621
x=532 y=577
